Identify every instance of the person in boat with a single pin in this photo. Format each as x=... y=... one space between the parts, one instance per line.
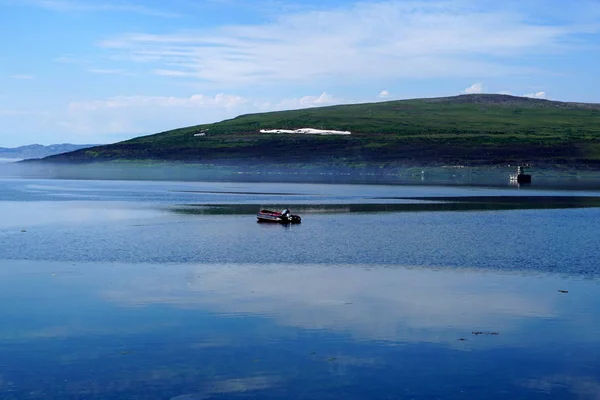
x=285 y=212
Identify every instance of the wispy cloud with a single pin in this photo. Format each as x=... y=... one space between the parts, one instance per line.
x=11 y=112
x=474 y=88
x=200 y=100
x=8 y=112
x=384 y=94
x=323 y=99
x=196 y=100
x=72 y=60
x=110 y=71
x=90 y=6
x=376 y=39
x=23 y=76
x=536 y=95
x=150 y=114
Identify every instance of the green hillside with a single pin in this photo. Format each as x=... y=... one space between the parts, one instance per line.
x=467 y=130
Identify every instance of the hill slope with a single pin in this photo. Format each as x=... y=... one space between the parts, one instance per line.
x=467 y=129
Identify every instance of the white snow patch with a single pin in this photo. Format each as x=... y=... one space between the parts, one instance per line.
x=307 y=131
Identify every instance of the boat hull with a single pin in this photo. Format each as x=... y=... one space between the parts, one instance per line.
x=276 y=217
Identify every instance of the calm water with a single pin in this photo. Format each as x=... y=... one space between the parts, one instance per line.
x=170 y=290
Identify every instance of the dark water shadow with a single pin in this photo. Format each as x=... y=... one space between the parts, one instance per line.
x=423 y=204
x=242 y=193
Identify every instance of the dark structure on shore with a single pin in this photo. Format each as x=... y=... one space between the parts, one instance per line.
x=520 y=176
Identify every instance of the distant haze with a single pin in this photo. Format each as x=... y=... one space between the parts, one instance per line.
x=9 y=160
x=37 y=151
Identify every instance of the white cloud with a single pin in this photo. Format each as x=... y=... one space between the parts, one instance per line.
x=474 y=88
x=393 y=39
x=303 y=102
x=150 y=114
x=505 y=92
x=384 y=94
x=537 y=95
x=23 y=76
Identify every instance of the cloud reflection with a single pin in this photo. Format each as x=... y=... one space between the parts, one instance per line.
x=583 y=387
x=235 y=385
x=26 y=214
x=370 y=302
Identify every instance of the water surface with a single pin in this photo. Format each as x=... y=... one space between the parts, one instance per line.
x=171 y=290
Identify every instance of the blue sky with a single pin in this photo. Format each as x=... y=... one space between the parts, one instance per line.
x=100 y=71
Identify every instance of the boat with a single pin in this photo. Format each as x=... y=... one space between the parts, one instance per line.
x=520 y=176
x=283 y=217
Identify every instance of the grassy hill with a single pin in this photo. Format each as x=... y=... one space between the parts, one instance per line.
x=468 y=130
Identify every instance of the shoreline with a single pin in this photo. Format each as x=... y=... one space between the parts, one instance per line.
x=460 y=175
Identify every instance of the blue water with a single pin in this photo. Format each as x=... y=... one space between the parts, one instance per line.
x=171 y=290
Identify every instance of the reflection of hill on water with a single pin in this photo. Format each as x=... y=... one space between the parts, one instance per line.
x=393 y=174
x=406 y=204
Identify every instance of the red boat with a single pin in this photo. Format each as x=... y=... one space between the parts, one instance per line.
x=284 y=217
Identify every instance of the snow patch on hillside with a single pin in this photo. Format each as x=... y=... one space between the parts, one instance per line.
x=307 y=131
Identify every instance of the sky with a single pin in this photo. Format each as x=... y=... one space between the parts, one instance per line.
x=101 y=71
